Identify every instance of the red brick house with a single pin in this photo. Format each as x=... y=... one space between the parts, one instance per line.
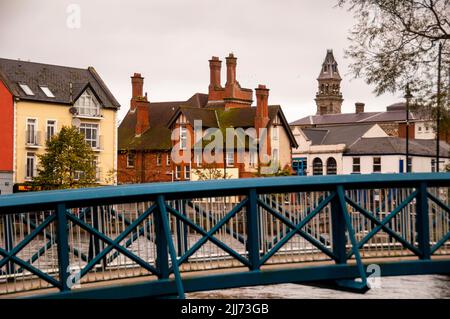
x=157 y=141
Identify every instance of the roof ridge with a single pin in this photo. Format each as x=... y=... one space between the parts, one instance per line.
x=41 y=63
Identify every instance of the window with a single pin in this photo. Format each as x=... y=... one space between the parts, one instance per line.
x=31 y=166
x=317 y=166
x=51 y=129
x=26 y=89
x=419 y=128
x=158 y=159
x=275 y=132
x=356 y=165
x=168 y=159
x=183 y=137
x=331 y=166
x=47 y=91
x=229 y=158
x=409 y=165
x=275 y=154
x=31 y=132
x=87 y=105
x=90 y=132
x=433 y=165
x=198 y=159
x=252 y=159
x=177 y=172
x=131 y=159
x=299 y=165
x=187 y=172
x=377 y=164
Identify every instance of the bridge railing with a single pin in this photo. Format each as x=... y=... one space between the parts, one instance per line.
x=70 y=239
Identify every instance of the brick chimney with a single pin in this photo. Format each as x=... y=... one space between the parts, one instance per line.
x=142 y=114
x=215 y=66
x=359 y=107
x=139 y=104
x=262 y=107
x=137 y=85
x=231 y=70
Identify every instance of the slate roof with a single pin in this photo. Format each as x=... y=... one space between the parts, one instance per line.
x=57 y=78
x=394 y=113
x=397 y=145
x=332 y=135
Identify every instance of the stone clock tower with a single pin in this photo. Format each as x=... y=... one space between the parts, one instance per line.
x=329 y=97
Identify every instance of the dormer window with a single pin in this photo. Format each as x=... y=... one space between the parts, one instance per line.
x=26 y=89
x=46 y=91
x=87 y=105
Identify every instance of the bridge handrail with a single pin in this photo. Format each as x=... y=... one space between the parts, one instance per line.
x=84 y=197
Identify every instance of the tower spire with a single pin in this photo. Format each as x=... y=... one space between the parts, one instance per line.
x=329 y=97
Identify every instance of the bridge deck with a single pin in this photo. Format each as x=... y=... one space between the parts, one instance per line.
x=201 y=273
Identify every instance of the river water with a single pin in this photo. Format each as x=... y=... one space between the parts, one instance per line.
x=407 y=287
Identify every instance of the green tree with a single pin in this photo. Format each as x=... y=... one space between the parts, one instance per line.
x=68 y=162
x=395 y=42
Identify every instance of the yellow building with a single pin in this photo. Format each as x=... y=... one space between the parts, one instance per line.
x=48 y=97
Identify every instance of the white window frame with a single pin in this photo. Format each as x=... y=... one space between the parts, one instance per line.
x=33 y=140
x=87 y=105
x=28 y=91
x=31 y=158
x=91 y=140
x=128 y=160
x=46 y=91
x=373 y=164
x=276 y=154
x=229 y=160
x=198 y=160
x=183 y=137
x=187 y=172
x=177 y=171
x=158 y=159
x=358 y=165
x=55 y=127
x=275 y=133
x=252 y=159
x=168 y=161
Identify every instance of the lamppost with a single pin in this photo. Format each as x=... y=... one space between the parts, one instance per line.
x=408 y=97
x=438 y=111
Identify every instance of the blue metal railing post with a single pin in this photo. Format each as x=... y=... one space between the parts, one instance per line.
x=173 y=255
x=63 y=246
x=8 y=230
x=338 y=231
x=423 y=222
x=162 y=254
x=253 y=230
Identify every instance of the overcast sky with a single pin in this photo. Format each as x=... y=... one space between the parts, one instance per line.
x=278 y=43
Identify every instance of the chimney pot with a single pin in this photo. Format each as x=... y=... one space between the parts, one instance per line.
x=231 y=69
x=215 y=66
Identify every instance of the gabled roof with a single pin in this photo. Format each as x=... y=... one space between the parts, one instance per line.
x=163 y=114
x=57 y=79
x=397 y=145
x=333 y=135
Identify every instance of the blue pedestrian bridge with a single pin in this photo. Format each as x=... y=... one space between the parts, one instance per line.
x=168 y=239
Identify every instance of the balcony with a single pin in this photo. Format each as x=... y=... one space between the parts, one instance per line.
x=33 y=139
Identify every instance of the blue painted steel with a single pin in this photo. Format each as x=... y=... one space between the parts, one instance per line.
x=341 y=272
x=173 y=255
x=253 y=230
x=423 y=222
x=63 y=246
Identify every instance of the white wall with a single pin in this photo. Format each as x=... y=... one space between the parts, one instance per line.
x=421 y=131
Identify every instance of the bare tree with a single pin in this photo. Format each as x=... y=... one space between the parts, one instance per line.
x=396 y=42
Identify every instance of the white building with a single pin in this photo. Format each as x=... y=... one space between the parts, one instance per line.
x=361 y=149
